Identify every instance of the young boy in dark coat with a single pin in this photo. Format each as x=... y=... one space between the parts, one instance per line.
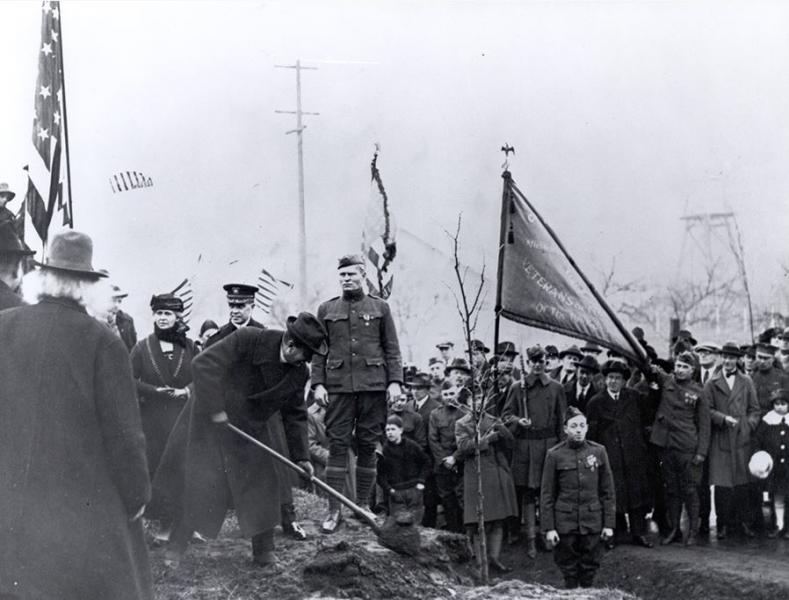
x=577 y=503
x=402 y=470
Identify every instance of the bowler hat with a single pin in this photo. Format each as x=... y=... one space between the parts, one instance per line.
x=349 y=260
x=240 y=292
x=71 y=252
x=10 y=242
x=309 y=332
x=505 y=348
x=616 y=366
x=731 y=349
x=459 y=364
x=591 y=347
x=479 y=346
x=571 y=351
x=167 y=302
x=589 y=363
x=6 y=191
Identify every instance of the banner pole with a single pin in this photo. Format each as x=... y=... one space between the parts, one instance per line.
x=505 y=198
x=628 y=336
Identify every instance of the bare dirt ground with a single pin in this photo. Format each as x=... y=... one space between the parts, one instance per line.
x=352 y=564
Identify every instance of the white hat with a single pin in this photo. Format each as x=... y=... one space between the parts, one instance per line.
x=760 y=464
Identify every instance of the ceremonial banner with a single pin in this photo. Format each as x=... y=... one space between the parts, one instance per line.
x=45 y=186
x=540 y=285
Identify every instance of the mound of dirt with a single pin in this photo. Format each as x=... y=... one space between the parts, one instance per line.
x=351 y=563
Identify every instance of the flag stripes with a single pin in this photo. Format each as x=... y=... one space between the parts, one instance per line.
x=269 y=288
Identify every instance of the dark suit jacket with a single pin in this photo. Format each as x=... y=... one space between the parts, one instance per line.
x=229 y=328
x=126 y=328
x=570 y=394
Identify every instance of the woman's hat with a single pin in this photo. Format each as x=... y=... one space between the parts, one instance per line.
x=167 y=302
x=71 y=252
x=309 y=332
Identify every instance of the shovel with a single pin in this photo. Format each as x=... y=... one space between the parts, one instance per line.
x=358 y=510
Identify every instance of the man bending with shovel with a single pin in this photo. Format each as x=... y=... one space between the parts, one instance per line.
x=241 y=381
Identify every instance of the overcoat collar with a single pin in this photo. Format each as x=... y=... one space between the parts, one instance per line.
x=720 y=380
x=543 y=378
x=67 y=302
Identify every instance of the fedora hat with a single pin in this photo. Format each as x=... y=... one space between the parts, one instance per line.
x=10 y=242
x=505 y=348
x=616 y=366
x=6 y=191
x=730 y=349
x=421 y=380
x=572 y=351
x=479 y=346
x=589 y=363
x=460 y=364
x=309 y=332
x=71 y=252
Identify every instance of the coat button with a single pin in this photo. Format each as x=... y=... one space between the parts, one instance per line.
x=783 y=460
x=783 y=447
x=783 y=432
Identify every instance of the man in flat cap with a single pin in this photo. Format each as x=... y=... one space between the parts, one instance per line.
x=352 y=381
x=120 y=322
x=445 y=350
x=533 y=413
x=245 y=379
x=13 y=255
x=436 y=366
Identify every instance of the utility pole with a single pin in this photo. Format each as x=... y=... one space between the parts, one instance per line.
x=302 y=217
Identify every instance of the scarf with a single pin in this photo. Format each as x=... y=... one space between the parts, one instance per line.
x=175 y=334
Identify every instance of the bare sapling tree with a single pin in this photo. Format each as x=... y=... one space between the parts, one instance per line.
x=468 y=302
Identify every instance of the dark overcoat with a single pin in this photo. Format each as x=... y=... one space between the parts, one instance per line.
x=730 y=447
x=9 y=299
x=498 y=489
x=572 y=397
x=620 y=427
x=242 y=375
x=543 y=400
x=159 y=410
x=766 y=383
x=72 y=459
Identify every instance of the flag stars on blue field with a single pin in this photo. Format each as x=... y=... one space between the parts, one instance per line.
x=46 y=49
x=45 y=92
x=42 y=133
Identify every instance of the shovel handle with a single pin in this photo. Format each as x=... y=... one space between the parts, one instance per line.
x=358 y=510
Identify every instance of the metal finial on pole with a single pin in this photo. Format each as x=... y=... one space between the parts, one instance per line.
x=300 y=127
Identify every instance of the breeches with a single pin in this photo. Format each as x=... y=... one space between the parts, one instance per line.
x=357 y=418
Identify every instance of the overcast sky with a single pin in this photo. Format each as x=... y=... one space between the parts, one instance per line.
x=624 y=116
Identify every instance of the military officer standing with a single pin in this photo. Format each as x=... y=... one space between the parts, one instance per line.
x=363 y=366
x=240 y=302
x=577 y=503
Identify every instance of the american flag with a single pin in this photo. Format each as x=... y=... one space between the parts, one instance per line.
x=269 y=288
x=378 y=236
x=45 y=184
x=184 y=291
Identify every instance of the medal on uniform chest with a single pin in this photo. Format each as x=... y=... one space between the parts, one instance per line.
x=591 y=462
x=366 y=318
x=691 y=398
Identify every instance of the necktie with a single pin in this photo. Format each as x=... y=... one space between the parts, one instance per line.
x=706 y=376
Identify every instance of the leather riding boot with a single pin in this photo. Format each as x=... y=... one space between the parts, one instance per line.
x=692 y=504
x=674 y=514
